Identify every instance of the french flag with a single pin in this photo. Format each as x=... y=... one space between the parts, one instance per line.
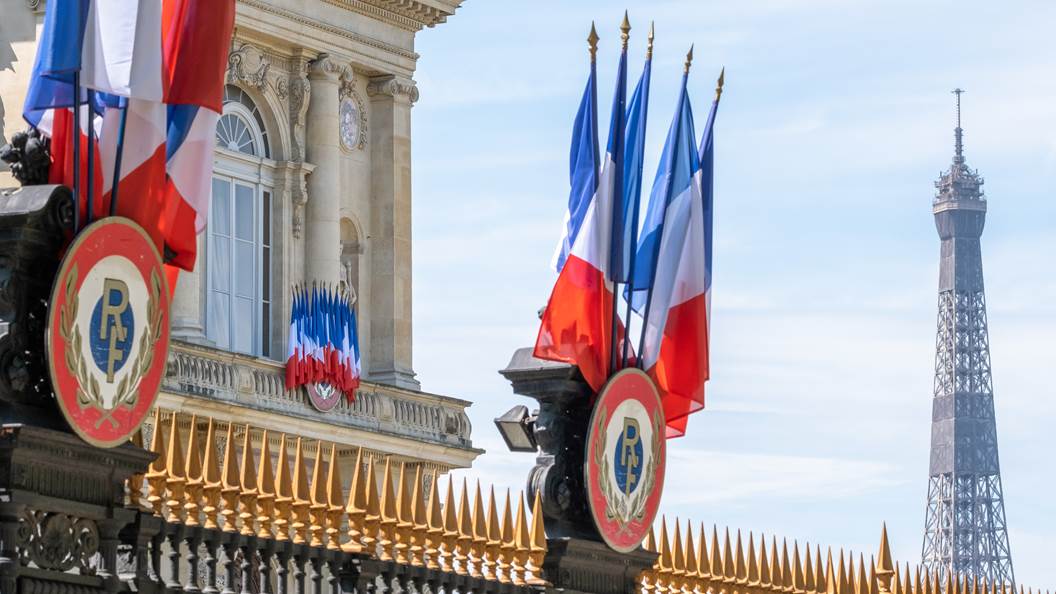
x=157 y=71
x=577 y=324
x=675 y=339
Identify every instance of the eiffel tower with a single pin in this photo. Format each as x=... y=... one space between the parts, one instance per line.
x=964 y=528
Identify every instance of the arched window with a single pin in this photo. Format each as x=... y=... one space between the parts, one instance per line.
x=240 y=235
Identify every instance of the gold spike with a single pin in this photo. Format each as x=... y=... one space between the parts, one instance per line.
x=265 y=489
x=831 y=582
x=809 y=583
x=678 y=560
x=493 y=546
x=507 y=545
x=450 y=538
x=480 y=536
x=419 y=533
x=211 y=476
x=798 y=582
x=434 y=522
x=874 y=582
x=592 y=42
x=538 y=548
x=884 y=568
x=739 y=568
x=135 y=482
x=175 y=481
x=777 y=579
x=522 y=538
x=786 y=567
x=753 y=562
x=229 y=484
x=841 y=577
x=193 y=472
x=647 y=578
x=625 y=30
x=356 y=507
x=911 y=581
x=283 y=493
x=765 y=571
x=649 y=42
x=156 y=472
x=248 y=497
x=387 y=534
x=729 y=568
x=301 y=502
x=404 y=518
x=716 y=558
x=703 y=560
x=335 y=498
x=371 y=508
x=719 y=83
x=319 y=503
x=667 y=564
x=861 y=585
x=820 y=583
x=689 y=59
x=923 y=584
x=690 y=554
x=465 y=531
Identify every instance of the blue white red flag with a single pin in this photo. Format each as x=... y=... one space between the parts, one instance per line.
x=582 y=168
x=626 y=230
x=675 y=341
x=323 y=342
x=160 y=62
x=577 y=324
x=707 y=190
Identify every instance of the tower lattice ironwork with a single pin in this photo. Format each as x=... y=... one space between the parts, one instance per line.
x=964 y=531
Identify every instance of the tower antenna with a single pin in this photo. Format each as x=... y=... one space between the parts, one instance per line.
x=958 y=133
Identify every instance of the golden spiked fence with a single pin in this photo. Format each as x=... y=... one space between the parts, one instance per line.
x=685 y=565
x=260 y=516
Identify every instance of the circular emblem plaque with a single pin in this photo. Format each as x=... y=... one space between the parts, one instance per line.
x=626 y=454
x=322 y=396
x=108 y=331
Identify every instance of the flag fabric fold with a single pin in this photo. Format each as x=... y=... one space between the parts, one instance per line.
x=323 y=341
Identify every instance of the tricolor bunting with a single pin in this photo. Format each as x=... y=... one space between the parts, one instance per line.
x=674 y=349
x=578 y=324
x=584 y=160
x=323 y=341
x=159 y=65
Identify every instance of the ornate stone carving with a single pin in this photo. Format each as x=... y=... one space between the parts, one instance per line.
x=299 y=91
x=323 y=67
x=249 y=66
x=347 y=90
x=57 y=541
x=394 y=87
x=28 y=156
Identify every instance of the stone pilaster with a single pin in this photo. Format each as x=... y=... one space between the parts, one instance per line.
x=323 y=227
x=391 y=99
x=188 y=300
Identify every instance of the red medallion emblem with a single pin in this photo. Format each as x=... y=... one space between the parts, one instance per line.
x=324 y=397
x=626 y=454
x=108 y=331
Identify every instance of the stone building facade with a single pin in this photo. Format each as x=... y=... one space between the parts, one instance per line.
x=311 y=184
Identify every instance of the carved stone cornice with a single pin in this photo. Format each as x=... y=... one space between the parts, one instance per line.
x=411 y=15
x=393 y=86
x=332 y=29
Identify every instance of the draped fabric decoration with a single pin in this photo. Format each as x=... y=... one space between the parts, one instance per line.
x=323 y=340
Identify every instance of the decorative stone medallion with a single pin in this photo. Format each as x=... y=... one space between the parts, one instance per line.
x=348 y=114
x=108 y=331
x=322 y=396
x=625 y=459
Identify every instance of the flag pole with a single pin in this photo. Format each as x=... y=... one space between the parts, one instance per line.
x=117 y=159
x=634 y=227
x=90 y=169
x=625 y=36
x=76 y=139
x=660 y=231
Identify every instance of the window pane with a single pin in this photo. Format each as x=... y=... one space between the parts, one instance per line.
x=265 y=220
x=243 y=330
x=265 y=329
x=218 y=320
x=245 y=269
x=244 y=212
x=221 y=215
x=220 y=264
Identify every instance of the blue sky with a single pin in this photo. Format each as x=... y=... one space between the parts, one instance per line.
x=836 y=120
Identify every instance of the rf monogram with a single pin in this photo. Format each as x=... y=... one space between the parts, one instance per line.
x=110 y=322
x=628 y=458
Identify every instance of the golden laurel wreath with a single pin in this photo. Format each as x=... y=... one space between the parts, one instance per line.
x=127 y=392
x=622 y=509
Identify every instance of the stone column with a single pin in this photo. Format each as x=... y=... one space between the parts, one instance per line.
x=390 y=231
x=323 y=217
x=187 y=302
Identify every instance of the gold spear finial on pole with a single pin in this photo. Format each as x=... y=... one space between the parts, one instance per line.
x=689 y=59
x=721 y=81
x=649 y=41
x=592 y=42
x=625 y=30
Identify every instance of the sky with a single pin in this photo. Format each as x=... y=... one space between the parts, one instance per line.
x=836 y=120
